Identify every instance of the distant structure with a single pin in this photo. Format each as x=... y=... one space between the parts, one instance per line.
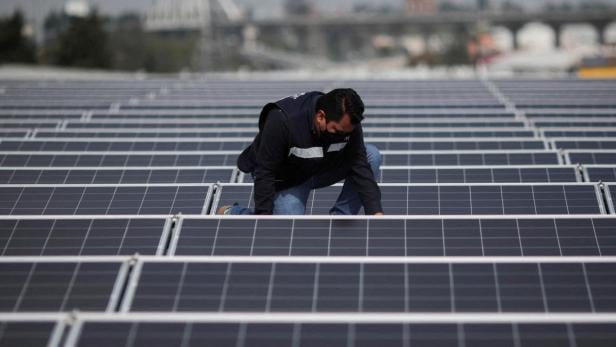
x=178 y=15
x=203 y=16
x=420 y=7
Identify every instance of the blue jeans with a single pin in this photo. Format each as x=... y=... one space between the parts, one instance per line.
x=292 y=201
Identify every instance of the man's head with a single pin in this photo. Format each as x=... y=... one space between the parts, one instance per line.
x=338 y=112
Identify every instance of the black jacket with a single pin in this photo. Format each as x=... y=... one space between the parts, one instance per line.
x=286 y=152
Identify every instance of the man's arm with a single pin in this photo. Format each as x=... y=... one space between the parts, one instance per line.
x=272 y=151
x=361 y=175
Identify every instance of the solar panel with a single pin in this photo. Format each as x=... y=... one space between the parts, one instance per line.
x=394 y=174
x=28 y=333
x=585 y=144
x=35 y=115
x=493 y=235
x=610 y=194
x=451 y=199
x=575 y=123
x=566 y=94
x=600 y=173
x=103 y=199
x=480 y=175
x=148 y=134
x=12 y=133
x=362 y=286
x=427 y=236
x=242 y=132
x=228 y=158
x=590 y=157
x=311 y=334
x=29 y=123
x=572 y=113
x=123 y=159
x=442 y=145
x=126 y=145
x=243 y=112
x=241 y=143
x=118 y=175
x=150 y=122
x=21 y=236
x=467 y=158
x=579 y=133
x=55 y=286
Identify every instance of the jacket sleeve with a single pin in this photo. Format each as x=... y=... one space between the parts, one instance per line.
x=272 y=151
x=361 y=176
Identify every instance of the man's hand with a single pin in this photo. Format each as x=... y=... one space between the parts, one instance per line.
x=379 y=214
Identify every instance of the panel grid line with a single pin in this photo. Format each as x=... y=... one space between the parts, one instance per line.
x=178 y=292
x=560 y=248
x=452 y=298
x=588 y=289
x=594 y=231
x=499 y=304
x=53 y=224
x=315 y=287
x=270 y=287
x=225 y=288
x=71 y=285
x=10 y=237
x=570 y=336
x=22 y=293
x=542 y=287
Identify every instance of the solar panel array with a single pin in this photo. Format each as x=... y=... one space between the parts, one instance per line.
x=500 y=225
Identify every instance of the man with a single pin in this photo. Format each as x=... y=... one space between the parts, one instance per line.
x=311 y=141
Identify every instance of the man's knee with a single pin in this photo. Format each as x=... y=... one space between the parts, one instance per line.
x=374 y=160
x=374 y=155
x=289 y=204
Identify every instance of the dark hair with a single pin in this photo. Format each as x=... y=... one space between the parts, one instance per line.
x=340 y=101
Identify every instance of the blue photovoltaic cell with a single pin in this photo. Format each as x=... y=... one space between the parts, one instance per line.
x=46 y=118
x=473 y=175
x=467 y=159
x=241 y=122
x=119 y=176
x=584 y=144
x=57 y=286
x=426 y=117
x=80 y=236
x=453 y=200
x=252 y=133
x=458 y=145
x=85 y=145
x=146 y=334
x=576 y=124
x=365 y=287
x=13 y=133
x=592 y=157
x=107 y=160
x=604 y=174
x=575 y=114
x=115 y=146
x=31 y=334
x=487 y=175
x=580 y=133
x=416 y=237
x=612 y=197
x=132 y=160
x=107 y=200
x=26 y=124
x=144 y=134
